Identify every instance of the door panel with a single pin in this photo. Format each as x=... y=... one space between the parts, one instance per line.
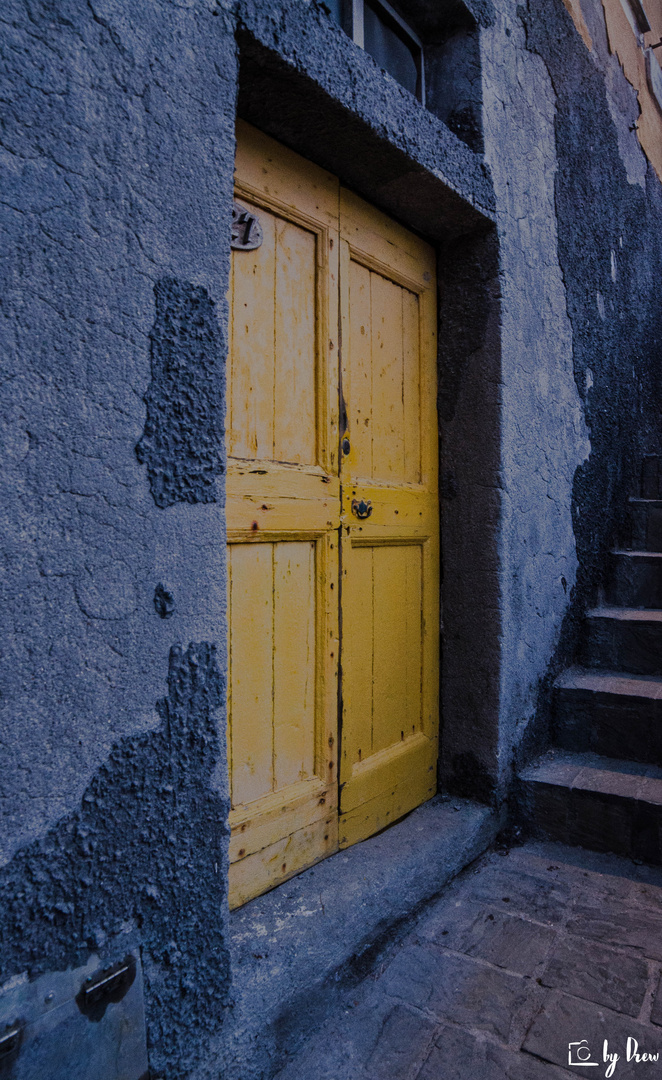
x=390 y=582
x=283 y=510
x=272 y=680
x=330 y=270
x=272 y=411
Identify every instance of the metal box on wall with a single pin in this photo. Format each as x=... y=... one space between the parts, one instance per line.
x=75 y=1024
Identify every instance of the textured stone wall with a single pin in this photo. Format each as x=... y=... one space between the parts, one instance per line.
x=543 y=436
x=579 y=215
x=117 y=152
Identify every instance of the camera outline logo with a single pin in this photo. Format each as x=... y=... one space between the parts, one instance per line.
x=581 y=1054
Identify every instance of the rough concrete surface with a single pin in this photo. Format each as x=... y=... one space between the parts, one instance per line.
x=141 y=863
x=527 y=952
x=117 y=149
x=544 y=436
x=294 y=949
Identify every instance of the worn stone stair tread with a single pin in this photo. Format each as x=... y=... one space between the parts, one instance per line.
x=623 y=614
x=638 y=553
x=590 y=772
x=610 y=682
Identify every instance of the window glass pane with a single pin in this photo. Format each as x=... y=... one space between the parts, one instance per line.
x=389 y=50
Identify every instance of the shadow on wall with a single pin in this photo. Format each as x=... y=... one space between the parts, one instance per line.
x=470 y=499
x=142 y=862
x=610 y=251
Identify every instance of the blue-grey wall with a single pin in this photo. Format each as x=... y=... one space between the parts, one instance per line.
x=117 y=152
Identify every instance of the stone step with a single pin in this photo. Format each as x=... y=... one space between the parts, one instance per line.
x=634 y=578
x=645 y=524
x=609 y=713
x=595 y=802
x=622 y=639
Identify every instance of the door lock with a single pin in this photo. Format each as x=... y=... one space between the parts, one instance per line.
x=361 y=508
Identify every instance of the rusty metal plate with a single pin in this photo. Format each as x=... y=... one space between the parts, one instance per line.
x=76 y=1024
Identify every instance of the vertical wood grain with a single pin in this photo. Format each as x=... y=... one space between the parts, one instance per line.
x=294 y=663
x=357 y=377
x=411 y=387
x=294 y=405
x=413 y=620
x=387 y=379
x=251 y=383
x=390 y=646
x=357 y=659
x=251 y=671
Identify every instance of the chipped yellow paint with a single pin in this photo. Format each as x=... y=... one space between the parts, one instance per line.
x=630 y=47
x=285 y=504
x=575 y=9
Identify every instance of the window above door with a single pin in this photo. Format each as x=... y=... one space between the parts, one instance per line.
x=377 y=27
x=431 y=50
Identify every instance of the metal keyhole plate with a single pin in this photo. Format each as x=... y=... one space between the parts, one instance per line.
x=361 y=508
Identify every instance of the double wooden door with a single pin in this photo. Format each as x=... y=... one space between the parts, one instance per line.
x=332 y=516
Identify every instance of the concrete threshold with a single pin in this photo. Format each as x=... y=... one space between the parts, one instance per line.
x=294 y=948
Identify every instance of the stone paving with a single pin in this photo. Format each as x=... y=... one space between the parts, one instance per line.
x=524 y=954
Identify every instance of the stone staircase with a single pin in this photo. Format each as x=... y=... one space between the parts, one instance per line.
x=600 y=786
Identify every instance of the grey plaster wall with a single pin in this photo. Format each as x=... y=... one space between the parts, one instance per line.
x=117 y=151
x=543 y=436
x=551 y=397
x=578 y=220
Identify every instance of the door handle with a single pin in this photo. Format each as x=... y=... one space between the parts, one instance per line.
x=361 y=508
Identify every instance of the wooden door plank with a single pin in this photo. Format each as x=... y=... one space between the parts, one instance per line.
x=357 y=372
x=251 y=381
x=373 y=235
x=285 y=180
x=294 y=404
x=411 y=387
x=372 y=815
x=399 y=764
x=390 y=721
x=429 y=417
x=282 y=860
x=294 y=662
x=430 y=649
x=280 y=815
x=251 y=671
x=387 y=379
x=413 y=620
x=357 y=660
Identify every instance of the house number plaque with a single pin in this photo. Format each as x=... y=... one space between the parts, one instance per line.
x=246 y=231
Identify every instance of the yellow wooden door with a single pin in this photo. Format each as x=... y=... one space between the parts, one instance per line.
x=284 y=508
x=390 y=522
x=283 y=512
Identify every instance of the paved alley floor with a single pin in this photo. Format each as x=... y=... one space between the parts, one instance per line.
x=533 y=965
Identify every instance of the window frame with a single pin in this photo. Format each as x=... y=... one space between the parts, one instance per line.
x=637 y=17
x=355 y=30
